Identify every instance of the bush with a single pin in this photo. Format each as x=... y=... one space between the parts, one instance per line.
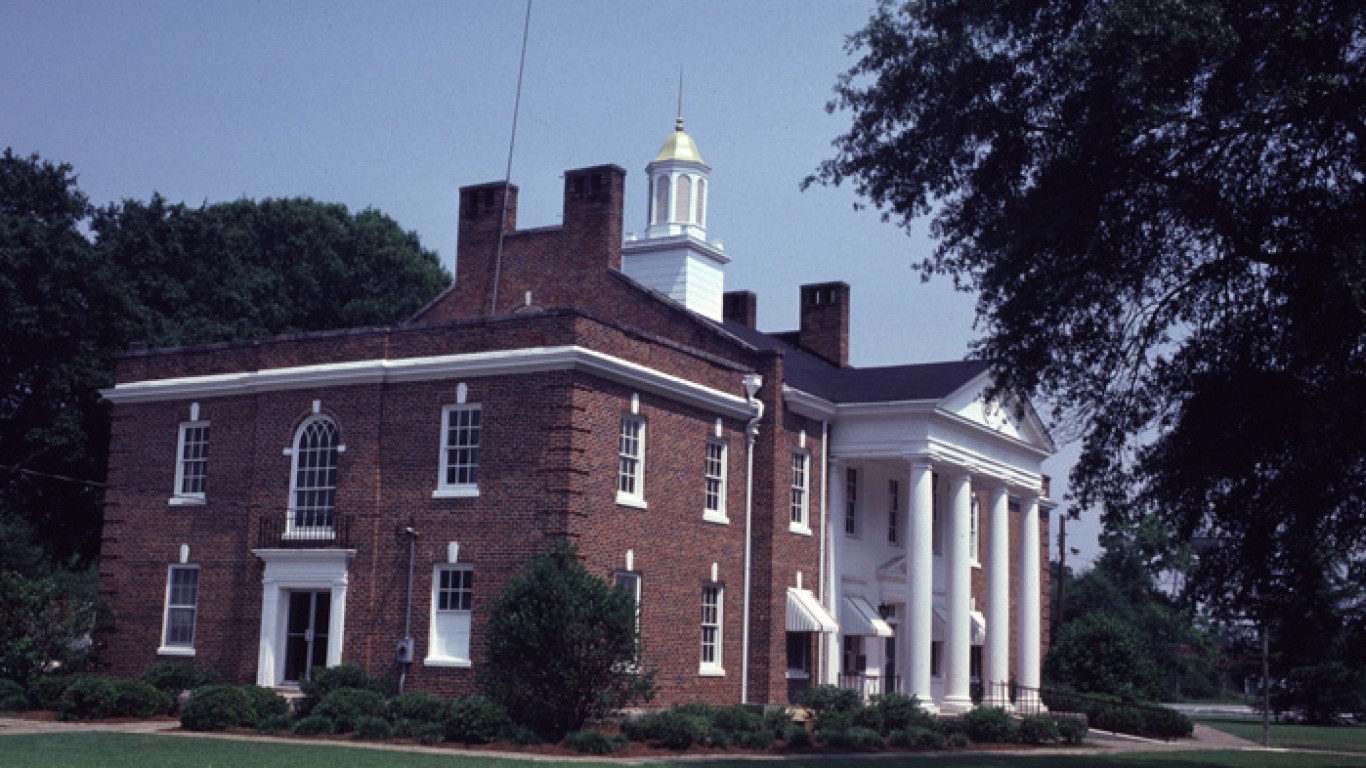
x=900 y=712
x=777 y=720
x=520 y=735
x=958 y=741
x=274 y=724
x=328 y=679
x=1118 y=719
x=13 y=698
x=371 y=728
x=474 y=720
x=736 y=720
x=562 y=646
x=592 y=742
x=673 y=728
x=313 y=725
x=924 y=738
x=988 y=725
x=828 y=698
x=44 y=624
x=345 y=706
x=870 y=718
x=418 y=706
x=761 y=739
x=835 y=739
x=265 y=704
x=1321 y=692
x=833 y=721
x=1166 y=723
x=1099 y=653
x=176 y=677
x=1038 y=729
x=1071 y=730
x=91 y=698
x=864 y=738
x=45 y=691
x=429 y=733
x=217 y=708
x=797 y=736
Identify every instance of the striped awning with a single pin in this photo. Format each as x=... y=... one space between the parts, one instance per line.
x=857 y=617
x=806 y=614
x=977 y=625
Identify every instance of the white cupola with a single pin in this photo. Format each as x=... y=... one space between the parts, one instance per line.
x=674 y=256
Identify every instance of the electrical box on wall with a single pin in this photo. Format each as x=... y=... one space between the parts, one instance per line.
x=405 y=650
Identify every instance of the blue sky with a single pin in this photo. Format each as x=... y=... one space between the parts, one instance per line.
x=397 y=105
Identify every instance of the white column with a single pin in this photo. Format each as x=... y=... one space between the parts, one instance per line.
x=958 y=634
x=1028 y=602
x=917 y=627
x=266 y=673
x=997 y=672
x=835 y=494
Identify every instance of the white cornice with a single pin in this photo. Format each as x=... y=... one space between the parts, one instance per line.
x=500 y=363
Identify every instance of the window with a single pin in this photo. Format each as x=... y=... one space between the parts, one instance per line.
x=631 y=462
x=893 y=511
x=974 y=523
x=714 y=505
x=683 y=200
x=799 y=655
x=314 y=478
x=851 y=510
x=936 y=522
x=192 y=462
x=711 y=629
x=460 y=428
x=702 y=202
x=182 y=601
x=452 y=603
x=661 y=201
x=855 y=661
x=800 y=478
x=936 y=658
x=630 y=582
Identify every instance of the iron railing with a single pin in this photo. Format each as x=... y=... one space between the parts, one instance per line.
x=1037 y=701
x=277 y=531
x=870 y=685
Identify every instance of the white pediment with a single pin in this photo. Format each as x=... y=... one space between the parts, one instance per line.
x=1006 y=415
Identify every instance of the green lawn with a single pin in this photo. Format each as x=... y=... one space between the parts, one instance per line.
x=1343 y=738
x=110 y=750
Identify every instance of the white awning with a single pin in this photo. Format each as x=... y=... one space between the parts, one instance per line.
x=979 y=628
x=806 y=614
x=857 y=617
x=977 y=624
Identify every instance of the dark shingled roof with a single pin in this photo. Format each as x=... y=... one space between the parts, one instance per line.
x=892 y=383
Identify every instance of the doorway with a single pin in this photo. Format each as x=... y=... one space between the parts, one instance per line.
x=306 y=634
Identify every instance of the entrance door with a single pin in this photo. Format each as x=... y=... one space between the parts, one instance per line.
x=306 y=636
x=889 y=669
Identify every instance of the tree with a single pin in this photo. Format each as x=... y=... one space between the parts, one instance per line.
x=44 y=626
x=1099 y=653
x=1162 y=207
x=165 y=274
x=563 y=646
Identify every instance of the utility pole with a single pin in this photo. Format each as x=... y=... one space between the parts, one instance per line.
x=1266 y=688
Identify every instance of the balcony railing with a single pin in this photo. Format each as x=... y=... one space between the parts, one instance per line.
x=870 y=685
x=314 y=530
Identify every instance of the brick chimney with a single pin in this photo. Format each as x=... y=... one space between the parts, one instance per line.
x=740 y=307
x=825 y=322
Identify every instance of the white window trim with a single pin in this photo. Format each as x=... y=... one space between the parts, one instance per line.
x=798 y=673
x=802 y=526
x=179 y=498
x=446 y=490
x=432 y=660
x=717 y=515
x=177 y=650
x=293 y=530
x=715 y=668
x=637 y=498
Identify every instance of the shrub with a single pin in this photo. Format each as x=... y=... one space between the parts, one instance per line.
x=520 y=735
x=864 y=738
x=90 y=698
x=777 y=720
x=927 y=738
x=673 y=729
x=325 y=680
x=1119 y=719
x=417 y=706
x=592 y=742
x=868 y=717
x=828 y=698
x=429 y=733
x=274 y=724
x=45 y=691
x=13 y=698
x=217 y=708
x=43 y=625
x=313 y=725
x=175 y=677
x=1099 y=653
x=1071 y=730
x=988 y=725
x=562 y=646
x=736 y=720
x=796 y=736
x=1166 y=723
x=372 y=728
x=760 y=739
x=833 y=721
x=1038 y=729
x=1321 y=692
x=957 y=740
x=835 y=739
x=900 y=712
x=265 y=704
x=345 y=706
x=474 y=720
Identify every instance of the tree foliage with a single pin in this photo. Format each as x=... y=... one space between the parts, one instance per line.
x=1162 y=207
x=77 y=285
x=562 y=646
x=44 y=627
x=1099 y=653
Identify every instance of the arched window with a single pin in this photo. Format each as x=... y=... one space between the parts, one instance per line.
x=313 y=480
x=701 y=202
x=661 y=200
x=683 y=200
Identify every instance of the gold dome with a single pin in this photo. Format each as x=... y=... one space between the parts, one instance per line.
x=679 y=146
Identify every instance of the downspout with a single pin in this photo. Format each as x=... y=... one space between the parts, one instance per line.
x=752 y=383
x=408 y=611
x=820 y=568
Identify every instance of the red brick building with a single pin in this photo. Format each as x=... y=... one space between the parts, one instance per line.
x=782 y=517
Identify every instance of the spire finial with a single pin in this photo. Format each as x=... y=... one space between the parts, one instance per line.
x=678 y=126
